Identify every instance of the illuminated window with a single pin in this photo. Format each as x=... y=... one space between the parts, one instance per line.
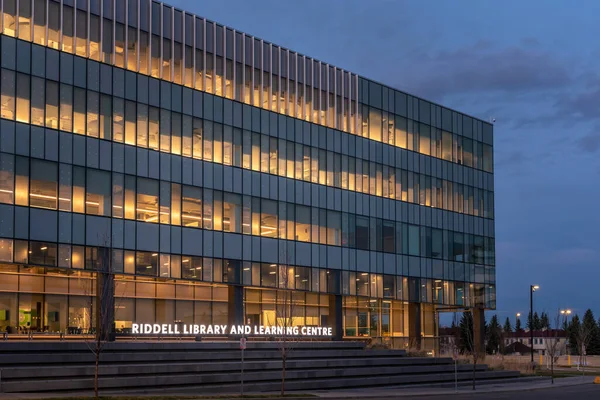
x=142 y=125
x=81 y=34
x=165 y=130
x=39 y=20
x=67 y=29
x=176 y=133
x=25 y=20
x=66 y=108
x=7 y=176
x=144 y=47
x=9 y=23
x=268 y=218
x=153 y=128
x=132 y=48
x=117 y=195
x=23 y=93
x=119 y=45
x=53 y=24
x=37 y=101
x=191 y=206
x=207 y=218
x=302 y=223
x=118 y=119
x=166 y=62
x=176 y=204
x=79 y=111
x=130 y=118
x=232 y=210
x=94 y=37
x=8 y=94
x=65 y=187
x=147 y=200
x=43 y=191
x=92 y=113
x=98 y=193
x=177 y=63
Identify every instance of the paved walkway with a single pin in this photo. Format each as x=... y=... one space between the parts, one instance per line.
x=370 y=393
x=404 y=391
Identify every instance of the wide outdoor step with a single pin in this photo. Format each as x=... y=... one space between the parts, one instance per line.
x=190 y=355
x=214 y=366
x=320 y=377
x=133 y=346
x=335 y=383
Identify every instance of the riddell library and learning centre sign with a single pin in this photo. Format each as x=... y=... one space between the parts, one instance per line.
x=246 y=330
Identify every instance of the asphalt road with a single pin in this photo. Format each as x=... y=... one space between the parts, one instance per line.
x=586 y=391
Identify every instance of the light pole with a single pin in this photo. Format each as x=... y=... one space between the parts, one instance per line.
x=532 y=288
x=566 y=313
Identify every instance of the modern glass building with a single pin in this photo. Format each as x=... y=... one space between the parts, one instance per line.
x=225 y=175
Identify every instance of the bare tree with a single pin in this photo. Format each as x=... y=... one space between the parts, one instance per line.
x=552 y=342
x=583 y=335
x=101 y=309
x=101 y=305
x=469 y=344
x=284 y=318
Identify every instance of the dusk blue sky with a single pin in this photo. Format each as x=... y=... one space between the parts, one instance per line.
x=533 y=65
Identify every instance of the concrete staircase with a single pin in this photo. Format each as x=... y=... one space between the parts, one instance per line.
x=215 y=367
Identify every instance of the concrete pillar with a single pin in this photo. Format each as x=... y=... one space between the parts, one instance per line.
x=335 y=319
x=479 y=331
x=105 y=296
x=235 y=303
x=414 y=325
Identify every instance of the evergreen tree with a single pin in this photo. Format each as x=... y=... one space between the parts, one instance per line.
x=589 y=323
x=507 y=326
x=544 y=321
x=572 y=330
x=529 y=324
x=518 y=327
x=537 y=325
x=465 y=344
x=494 y=335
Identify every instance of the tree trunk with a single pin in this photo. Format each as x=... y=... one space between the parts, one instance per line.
x=552 y=369
x=283 y=374
x=474 y=369
x=96 y=372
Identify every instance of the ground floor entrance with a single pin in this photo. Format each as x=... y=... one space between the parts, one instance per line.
x=63 y=302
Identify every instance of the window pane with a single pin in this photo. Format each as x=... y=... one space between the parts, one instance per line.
x=8 y=94
x=43 y=185
x=232 y=213
x=147 y=200
x=98 y=193
x=191 y=206
x=7 y=176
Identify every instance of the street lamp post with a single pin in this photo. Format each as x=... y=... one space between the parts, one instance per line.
x=532 y=288
x=566 y=313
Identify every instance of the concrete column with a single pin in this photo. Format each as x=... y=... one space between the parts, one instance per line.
x=235 y=303
x=335 y=318
x=105 y=296
x=479 y=331
x=414 y=325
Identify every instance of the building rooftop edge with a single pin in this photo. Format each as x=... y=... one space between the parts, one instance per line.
x=326 y=63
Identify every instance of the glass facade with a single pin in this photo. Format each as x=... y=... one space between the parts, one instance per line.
x=206 y=159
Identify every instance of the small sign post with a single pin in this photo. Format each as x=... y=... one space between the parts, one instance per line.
x=242 y=348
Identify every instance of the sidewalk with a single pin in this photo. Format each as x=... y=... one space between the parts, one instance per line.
x=384 y=392
x=403 y=391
